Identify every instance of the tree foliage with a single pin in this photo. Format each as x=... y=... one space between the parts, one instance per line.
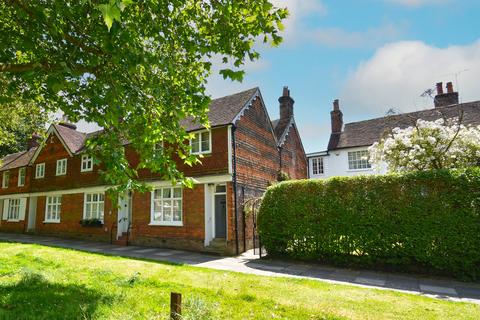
x=439 y=144
x=136 y=68
x=18 y=121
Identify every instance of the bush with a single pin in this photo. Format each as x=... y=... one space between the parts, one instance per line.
x=418 y=221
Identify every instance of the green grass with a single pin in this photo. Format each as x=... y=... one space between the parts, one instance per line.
x=38 y=282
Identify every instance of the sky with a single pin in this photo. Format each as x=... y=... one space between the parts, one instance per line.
x=372 y=55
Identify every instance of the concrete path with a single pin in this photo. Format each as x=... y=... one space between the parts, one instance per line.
x=249 y=263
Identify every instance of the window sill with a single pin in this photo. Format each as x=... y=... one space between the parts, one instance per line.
x=13 y=220
x=201 y=153
x=86 y=171
x=166 y=224
x=51 y=221
x=61 y=175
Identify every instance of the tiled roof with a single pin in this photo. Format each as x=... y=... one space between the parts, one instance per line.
x=281 y=127
x=222 y=111
x=17 y=160
x=365 y=133
x=74 y=139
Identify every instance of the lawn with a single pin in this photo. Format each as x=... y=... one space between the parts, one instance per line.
x=38 y=282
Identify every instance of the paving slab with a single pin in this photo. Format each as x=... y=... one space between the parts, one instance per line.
x=438 y=289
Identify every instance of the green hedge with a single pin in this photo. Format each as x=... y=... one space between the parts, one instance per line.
x=422 y=221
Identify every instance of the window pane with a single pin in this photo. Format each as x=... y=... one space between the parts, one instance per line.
x=157 y=206
x=220 y=189
x=177 y=210
x=167 y=193
x=177 y=192
x=157 y=194
x=167 y=210
x=196 y=144
x=205 y=141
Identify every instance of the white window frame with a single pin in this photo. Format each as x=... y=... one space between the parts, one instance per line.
x=355 y=161
x=40 y=171
x=22 y=174
x=319 y=165
x=88 y=161
x=5 y=179
x=61 y=167
x=99 y=204
x=200 y=149
x=13 y=213
x=161 y=200
x=53 y=206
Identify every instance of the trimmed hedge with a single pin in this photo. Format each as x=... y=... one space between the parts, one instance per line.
x=421 y=221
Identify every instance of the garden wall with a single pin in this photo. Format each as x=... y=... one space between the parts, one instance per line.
x=422 y=221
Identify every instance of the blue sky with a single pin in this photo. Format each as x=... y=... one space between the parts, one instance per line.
x=373 y=55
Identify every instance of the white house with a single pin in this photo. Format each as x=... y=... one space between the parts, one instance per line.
x=347 y=152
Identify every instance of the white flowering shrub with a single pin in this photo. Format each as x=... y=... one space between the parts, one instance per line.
x=428 y=145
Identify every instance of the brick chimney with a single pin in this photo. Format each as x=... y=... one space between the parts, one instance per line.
x=445 y=99
x=337 y=117
x=34 y=141
x=286 y=104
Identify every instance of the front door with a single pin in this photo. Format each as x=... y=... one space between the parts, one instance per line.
x=32 y=213
x=123 y=213
x=220 y=212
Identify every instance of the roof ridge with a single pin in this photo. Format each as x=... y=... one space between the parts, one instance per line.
x=412 y=112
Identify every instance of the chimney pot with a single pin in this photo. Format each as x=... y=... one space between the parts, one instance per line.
x=286 y=92
x=336 y=105
x=449 y=87
x=439 y=88
x=445 y=99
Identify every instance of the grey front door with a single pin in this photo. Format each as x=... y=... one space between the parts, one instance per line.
x=220 y=216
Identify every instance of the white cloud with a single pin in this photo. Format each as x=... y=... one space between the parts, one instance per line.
x=299 y=10
x=399 y=72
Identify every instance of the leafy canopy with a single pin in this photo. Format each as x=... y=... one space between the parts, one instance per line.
x=18 y=120
x=136 y=68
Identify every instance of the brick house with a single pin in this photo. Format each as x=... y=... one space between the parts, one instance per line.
x=347 y=152
x=50 y=187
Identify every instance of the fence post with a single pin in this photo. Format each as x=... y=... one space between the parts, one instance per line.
x=175 y=306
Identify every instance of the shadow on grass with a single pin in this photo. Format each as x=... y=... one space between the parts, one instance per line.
x=34 y=297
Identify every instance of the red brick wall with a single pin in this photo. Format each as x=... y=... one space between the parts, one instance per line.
x=294 y=161
x=13 y=182
x=215 y=162
x=257 y=163
x=49 y=155
x=70 y=216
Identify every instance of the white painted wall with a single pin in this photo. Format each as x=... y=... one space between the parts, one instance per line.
x=336 y=164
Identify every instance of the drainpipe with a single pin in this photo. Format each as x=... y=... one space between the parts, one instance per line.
x=234 y=181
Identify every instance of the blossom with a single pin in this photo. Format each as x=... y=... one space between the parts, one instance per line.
x=428 y=145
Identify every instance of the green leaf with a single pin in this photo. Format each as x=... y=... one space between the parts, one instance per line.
x=110 y=12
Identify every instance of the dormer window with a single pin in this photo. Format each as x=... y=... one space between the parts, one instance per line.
x=61 y=167
x=201 y=142
x=87 y=163
x=5 y=179
x=40 y=171
x=21 y=177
